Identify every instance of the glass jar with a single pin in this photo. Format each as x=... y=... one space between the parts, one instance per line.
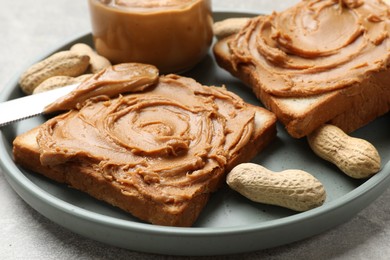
x=173 y=35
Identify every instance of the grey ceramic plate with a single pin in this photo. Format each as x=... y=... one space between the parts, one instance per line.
x=229 y=223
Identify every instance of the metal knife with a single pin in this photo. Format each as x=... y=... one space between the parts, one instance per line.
x=29 y=106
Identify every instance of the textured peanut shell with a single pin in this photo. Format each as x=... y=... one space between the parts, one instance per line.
x=293 y=189
x=97 y=62
x=58 y=82
x=229 y=26
x=354 y=156
x=64 y=63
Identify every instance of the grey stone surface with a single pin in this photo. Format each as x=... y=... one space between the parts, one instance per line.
x=28 y=28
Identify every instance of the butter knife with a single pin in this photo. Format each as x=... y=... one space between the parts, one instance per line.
x=30 y=106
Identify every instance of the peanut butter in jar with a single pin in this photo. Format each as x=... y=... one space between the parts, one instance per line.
x=173 y=35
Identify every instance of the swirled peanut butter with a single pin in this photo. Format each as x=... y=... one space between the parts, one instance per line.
x=114 y=80
x=165 y=141
x=173 y=35
x=316 y=46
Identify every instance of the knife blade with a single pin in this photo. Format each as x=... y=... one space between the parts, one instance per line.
x=30 y=106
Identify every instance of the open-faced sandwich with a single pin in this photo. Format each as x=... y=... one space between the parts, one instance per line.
x=157 y=151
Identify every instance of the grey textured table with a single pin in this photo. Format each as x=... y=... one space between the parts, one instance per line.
x=28 y=28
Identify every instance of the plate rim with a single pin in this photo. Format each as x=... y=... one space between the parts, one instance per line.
x=197 y=235
x=18 y=176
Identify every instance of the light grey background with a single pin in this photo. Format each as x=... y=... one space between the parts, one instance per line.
x=30 y=27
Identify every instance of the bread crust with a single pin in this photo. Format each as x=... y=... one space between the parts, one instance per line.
x=86 y=177
x=349 y=108
x=26 y=154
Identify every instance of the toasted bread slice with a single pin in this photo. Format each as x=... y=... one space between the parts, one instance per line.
x=361 y=100
x=149 y=190
x=349 y=108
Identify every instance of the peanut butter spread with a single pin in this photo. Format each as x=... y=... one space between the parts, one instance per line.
x=316 y=46
x=164 y=141
x=122 y=78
